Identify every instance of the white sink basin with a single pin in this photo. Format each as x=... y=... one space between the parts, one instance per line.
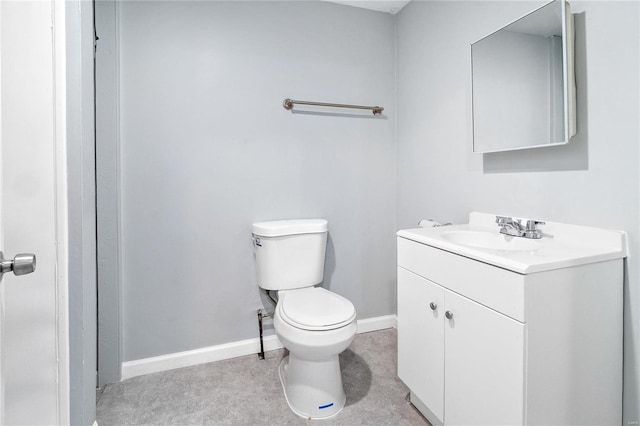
x=492 y=240
x=562 y=245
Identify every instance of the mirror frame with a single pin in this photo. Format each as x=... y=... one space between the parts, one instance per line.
x=568 y=80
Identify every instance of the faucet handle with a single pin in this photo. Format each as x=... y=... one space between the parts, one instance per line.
x=503 y=220
x=533 y=224
x=532 y=230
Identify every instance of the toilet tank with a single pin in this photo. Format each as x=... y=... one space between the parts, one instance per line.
x=289 y=253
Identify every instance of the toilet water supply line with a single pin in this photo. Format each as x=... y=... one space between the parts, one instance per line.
x=263 y=314
x=260 y=316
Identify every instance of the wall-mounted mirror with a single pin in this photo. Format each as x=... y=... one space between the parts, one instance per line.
x=523 y=82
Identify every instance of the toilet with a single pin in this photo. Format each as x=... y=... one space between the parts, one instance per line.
x=314 y=324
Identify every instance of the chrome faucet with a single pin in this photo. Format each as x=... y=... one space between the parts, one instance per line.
x=514 y=227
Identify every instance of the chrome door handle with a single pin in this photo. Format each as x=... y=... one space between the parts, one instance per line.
x=448 y=314
x=22 y=264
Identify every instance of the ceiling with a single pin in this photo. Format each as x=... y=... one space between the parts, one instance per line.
x=388 y=6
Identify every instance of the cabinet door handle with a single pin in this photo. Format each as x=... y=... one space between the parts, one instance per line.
x=448 y=314
x=433 y=306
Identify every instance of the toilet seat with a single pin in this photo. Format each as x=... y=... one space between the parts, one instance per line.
x=315 y=308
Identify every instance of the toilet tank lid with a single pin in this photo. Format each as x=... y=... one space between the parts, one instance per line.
x=278 y=228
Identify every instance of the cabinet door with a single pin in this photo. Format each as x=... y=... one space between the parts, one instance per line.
x=484 y=368
x=421 y=339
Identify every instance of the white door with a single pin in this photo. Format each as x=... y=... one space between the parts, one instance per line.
x=33 y=310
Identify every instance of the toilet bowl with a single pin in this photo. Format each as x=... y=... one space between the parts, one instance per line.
x=310 y=375
x=313 y=323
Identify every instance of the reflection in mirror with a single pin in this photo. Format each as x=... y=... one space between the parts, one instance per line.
x=523 y=83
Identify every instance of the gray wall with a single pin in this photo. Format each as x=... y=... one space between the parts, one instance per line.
x=207 y=149
x=593 y=181
x=82 y=211
x=107 y=193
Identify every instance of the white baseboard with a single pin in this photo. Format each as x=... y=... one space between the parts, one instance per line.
x=377 y=323
x=156 y=364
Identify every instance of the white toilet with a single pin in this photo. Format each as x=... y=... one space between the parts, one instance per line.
x=315 y=324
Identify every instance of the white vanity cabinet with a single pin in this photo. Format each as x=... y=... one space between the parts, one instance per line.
x=481 y=381
x=484 y=345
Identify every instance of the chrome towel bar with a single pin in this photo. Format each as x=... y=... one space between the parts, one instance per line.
x=288 y=104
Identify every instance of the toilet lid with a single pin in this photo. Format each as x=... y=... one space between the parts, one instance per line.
x=315 y=308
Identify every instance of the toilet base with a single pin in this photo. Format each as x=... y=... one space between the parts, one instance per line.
x=313 y=389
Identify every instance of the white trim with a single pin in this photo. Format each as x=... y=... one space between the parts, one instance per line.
x=2 y=422
x=377 y=323
x=61 y=207
x=156 y=364
x=197 y=356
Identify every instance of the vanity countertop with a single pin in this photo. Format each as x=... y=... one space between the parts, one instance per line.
x=561 y=246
